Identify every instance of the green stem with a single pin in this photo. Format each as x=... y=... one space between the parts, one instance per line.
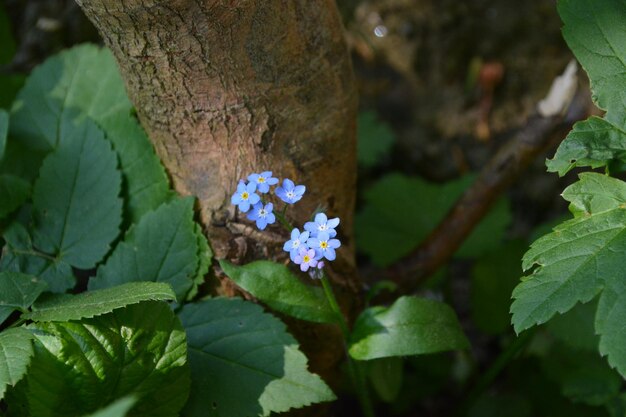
x=283 y=220
x=486 y=379
x=356 y=374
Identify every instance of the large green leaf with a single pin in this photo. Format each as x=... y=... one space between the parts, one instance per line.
x=19 y=255
x=573 y=263
x=16 y=349
x=19 y=291
x=594 y=31
x=84 y=82
x=82 y=366
x=82 y=78
x=146 y=185
x=77 y=211
x=66 y=307
x=244 y=363
x=576 y=327
x=277 y=287
x=14 y=191
x=610 y=320
x=162 y=247
x=118 y=408
x=205 y=256
x=400 y=211
x=411 y=326
x=375 y=139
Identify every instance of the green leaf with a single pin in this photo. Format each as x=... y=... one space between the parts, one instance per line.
x=83 y=78
x=139 y=350
x=494 y=276
x=162 y=247
x=400 y=212
x=118 y=408
x=411 y=326
x=146 y=185
x=4 y=130
x=77 y=211
x=385 y=374
x=244 y=363
x=375 y=139
x=85 y=82
x=16 y=349
x=277 y=287
x=205 y=257
x=610 y=319
x=14 y=191
x=572 y=264
x=594 y=32
x=66 y=307
x=19 y=291
x=19 y=255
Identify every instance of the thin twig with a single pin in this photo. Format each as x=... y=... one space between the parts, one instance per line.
x=511 y=160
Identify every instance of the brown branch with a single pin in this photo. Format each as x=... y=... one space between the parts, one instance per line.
x=511 y=160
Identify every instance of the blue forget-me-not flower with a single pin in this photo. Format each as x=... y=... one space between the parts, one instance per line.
x=324 y=246
x=263 y=181
x=322 y=224
x=289 y=192
x=245 y=196
x=298 y=241
x=306 y=258
x=262 y=214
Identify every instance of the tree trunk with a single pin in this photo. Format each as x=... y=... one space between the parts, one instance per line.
x=225 y=88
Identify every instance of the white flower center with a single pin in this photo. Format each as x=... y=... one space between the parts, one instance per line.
x=295 y=243
x=322 y=227
x=290 y=194
x=262 y=212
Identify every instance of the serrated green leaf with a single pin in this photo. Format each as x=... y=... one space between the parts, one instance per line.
x=19 y=255
x=610 y=319
x=16 y=349
x=375 y=139
x=14 y=191
x=205 y=257
x=4 y=130
x=244 y=363
x=572 y=264
x=594 y=32
x=19 y=291
x=400 y=211
x=82 y=78
x=118 y=408
x=66 y=307
x=76 y=208
x=146 y=185
x=139 y=350
x=411 y=326
x=162 y=247
x=276 y=286
x=84 y=81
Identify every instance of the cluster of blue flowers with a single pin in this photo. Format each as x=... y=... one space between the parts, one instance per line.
x=263 y=214
x=308 y=248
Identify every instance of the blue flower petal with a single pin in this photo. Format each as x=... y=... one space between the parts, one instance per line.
x=330 y=254
x=332 y=223
x=334 y=243
x=254 y=199
x=320 y=218
x=299 y=190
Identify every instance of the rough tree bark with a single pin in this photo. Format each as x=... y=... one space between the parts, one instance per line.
x=225 y=88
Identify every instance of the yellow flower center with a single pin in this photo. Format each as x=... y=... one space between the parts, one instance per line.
x=245 y=195
x=306 y=259
x=261 y=179
x=323 y=244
